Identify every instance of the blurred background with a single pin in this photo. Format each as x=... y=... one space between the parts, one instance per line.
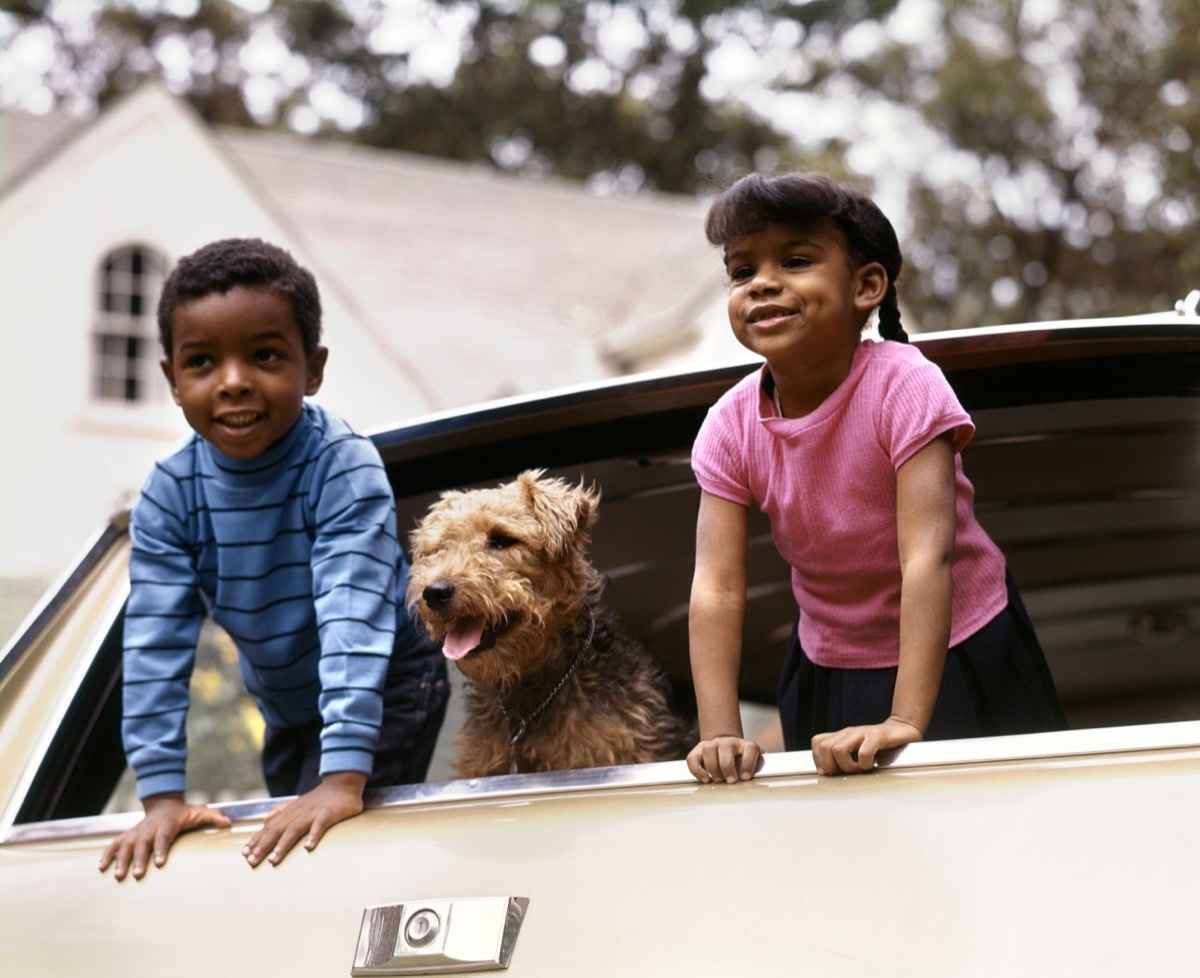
x=501 y=196
x=1045 y=147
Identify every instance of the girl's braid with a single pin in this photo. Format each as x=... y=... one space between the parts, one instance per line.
x=889 y=316
x=870 y=237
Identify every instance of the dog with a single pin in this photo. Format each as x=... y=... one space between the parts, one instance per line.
x=501 y=579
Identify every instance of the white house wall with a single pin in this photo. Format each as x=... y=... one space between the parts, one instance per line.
x=442 y=284
x=144 y=173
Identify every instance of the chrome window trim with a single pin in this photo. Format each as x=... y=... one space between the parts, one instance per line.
x=1034 y=749
x=59 y=593
x=101 y=627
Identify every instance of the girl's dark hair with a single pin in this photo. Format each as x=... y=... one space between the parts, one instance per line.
x=250 y=262
x=755 y=201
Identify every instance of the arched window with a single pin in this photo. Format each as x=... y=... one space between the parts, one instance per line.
x=127 y=350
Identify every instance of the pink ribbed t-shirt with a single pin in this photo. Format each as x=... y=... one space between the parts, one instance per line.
x=827 y=483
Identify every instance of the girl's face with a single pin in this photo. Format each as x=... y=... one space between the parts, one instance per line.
x=795 y=297
x=238 y=369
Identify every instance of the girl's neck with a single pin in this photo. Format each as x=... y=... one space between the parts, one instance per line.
x=797 y=394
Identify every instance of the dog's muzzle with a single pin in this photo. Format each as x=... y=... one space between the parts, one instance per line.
x=438 y=595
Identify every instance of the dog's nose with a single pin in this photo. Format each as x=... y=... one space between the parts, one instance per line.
x=438 y=594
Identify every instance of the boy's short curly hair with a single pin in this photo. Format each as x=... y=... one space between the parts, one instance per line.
x=754 y=202
x=250 y=262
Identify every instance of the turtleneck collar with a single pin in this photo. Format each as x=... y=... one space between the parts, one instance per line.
x=262 y=468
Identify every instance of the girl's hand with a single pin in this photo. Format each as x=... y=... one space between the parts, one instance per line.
x=853 y=749
x=337 y=798
x=167 y=816
x=724 y=759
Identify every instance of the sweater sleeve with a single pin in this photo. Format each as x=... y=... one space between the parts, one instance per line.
x=355 y=558
x=162 y=624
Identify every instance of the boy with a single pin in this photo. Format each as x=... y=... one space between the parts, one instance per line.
x=276 y=520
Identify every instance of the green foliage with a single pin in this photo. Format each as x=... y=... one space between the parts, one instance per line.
x=669 y=138
x=1080 y=129
x=1045 y=151
x=225 y=728
x=537 y=91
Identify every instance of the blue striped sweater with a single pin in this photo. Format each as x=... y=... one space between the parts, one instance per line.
x=295 y=555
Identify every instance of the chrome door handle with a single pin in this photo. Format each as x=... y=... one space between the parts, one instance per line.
x=438 y=937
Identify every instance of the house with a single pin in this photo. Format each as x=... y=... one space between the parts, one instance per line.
x=443 y=283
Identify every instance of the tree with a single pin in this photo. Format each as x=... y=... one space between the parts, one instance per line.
x=1038 y=156
x=1060 y=157
x=613 y=93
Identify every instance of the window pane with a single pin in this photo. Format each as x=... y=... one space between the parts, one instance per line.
x=126 y=329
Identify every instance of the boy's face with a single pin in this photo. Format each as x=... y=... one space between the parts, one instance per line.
x=238 y=369
x=794 y=295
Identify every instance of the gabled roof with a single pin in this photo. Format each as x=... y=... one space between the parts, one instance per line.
x=481 y=283
x=26 y=140
x=483 y=278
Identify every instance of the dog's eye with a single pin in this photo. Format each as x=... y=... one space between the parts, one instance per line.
x=501 y=541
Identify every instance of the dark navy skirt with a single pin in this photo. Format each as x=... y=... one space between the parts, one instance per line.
x=415 y=695
x=995 y=682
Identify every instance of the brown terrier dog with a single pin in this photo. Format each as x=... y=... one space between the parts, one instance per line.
x=501 y=578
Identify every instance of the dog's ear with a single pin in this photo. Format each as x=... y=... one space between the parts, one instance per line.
x=565 y=512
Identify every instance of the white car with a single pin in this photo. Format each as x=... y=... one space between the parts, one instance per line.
x=1070 y=853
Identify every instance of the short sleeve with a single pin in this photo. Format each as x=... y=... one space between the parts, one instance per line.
x=917 y=405
x=719 y=455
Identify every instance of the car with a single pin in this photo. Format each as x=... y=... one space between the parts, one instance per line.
x=1070 y=852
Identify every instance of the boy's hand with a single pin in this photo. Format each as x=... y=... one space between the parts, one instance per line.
x=166 y=817
x=337 y=798
x=853 y=749
x=727 y=758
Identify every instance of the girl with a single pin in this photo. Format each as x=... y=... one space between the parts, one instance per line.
x=909 y=626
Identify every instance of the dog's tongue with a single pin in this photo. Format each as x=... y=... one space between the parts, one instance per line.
x=463 y=639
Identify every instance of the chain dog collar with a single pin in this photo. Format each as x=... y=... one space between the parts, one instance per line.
x=517 y=734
